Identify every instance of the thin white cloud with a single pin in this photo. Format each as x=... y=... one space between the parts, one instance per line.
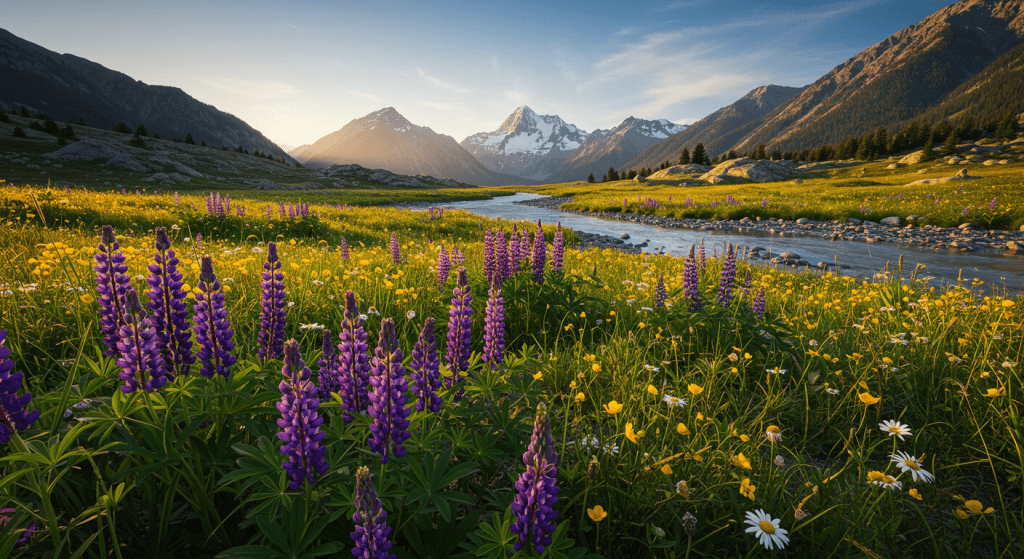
x=626 y=31
x=364 y=95
x=450 y=86
x=262 y=90
x=296 y=28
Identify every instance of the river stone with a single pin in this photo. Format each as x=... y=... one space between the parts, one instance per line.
x=798 y=181
x=624 y=236
x=790 y=255
x=892 y=220
x=854 y=221
x=1011 y=245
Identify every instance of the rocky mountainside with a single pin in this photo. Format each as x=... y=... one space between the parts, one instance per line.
x=386 y=140
x=613 y=148
x=721 y=129
x=67 y=88
x=897 y=79
x=526 y=144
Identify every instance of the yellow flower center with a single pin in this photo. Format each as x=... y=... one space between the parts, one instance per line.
x=911 y=464
x=888 y=480
x=766 y=527
x=773 y=429
x=894 y=429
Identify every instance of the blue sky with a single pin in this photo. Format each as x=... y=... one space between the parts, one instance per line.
x=299 y=70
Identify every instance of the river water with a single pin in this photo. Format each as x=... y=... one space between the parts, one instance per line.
x=995 y=270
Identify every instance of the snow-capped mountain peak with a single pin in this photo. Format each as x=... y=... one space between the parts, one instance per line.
x=526 y=144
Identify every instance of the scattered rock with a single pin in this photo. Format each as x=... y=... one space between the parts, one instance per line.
x=624 y=236
x=798 y=181
x=893 y=221
x=913 y=158
x=757 y=171
x=671 y=172
x=89 y=149
x=715 y=179
x=955 y=159
x=803 y=221
x=854 y=221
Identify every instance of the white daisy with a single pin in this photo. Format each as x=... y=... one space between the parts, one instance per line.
x=895 y=428
x=611 y=448
x=908 y=463
x=766 y=529
x=673 y=400
x=832 y=391
x=410 y=315
x=776 y=371
x=313 y=326
x=882 y=480
x=373 y=310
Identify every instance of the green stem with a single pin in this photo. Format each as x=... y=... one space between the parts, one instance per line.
x=44 y=495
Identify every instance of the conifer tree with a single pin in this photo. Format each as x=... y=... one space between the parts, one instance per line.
x=590 y=178
x=928 y=152
x=189 y=139
x=949 y=146
x=684 y=157
x=122 y=127
x=759 y=153
x=699 y=156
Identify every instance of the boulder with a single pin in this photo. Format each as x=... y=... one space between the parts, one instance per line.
x=1012 y=245
x=803 y=221
x=954 y=160
x=88 y=149
x=716 y=179
x=624 y=236
x=756 y=171
x=671 y=173
x=124 y=161
x=639 y=179
x=892 y=166
x=913 y=158
x=798 y=181
x=893 y=221
x=854 y=221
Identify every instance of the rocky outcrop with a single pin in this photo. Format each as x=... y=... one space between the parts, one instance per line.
x=751 y=170
x=676 y=172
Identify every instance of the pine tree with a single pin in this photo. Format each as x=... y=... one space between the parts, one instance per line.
x=50 y=127
x=613 y=175
x=141 y=131
x=881 y=141
x=122 y=127
x=699 y=156
x=949 y=146
x=759 y=153
x=81 y=121
x=942 y=130
x=928 y=152
x=966 y=128
x=684 y=157
x=25 y=113
x=1006 y=131
x=924 y=135
x=4 y=117
x=18 y=132
x=866 y=149
x=590 y=178
x=189 y=139
x=732 y=155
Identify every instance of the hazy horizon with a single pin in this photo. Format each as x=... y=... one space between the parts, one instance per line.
x=458 y=67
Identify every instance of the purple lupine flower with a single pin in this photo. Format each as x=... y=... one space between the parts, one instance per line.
x=13 y=416
x=209 y=204
x=327 y=369
x=280 y=210
x=268 y=213
x=728 y=276
x=372 y=530
x=703 y=258
x=112 y=282
x=167 y=303
x=458 y=258
x=746 y=284
x=353 y=361
x=500 y=256
x=343 y=249
x=425 y=370
x=444 y=266
x=273 y=310
x=212 y=326
x=540 y=254
x=489 y=263
x=177 y=199
x=513 y=252
x=396 y=253
x=524 y=248
x=758 y=306
x=691 y=282
x=300 y=422
x=460 y=324
x=660 y=293
x=388 y=397
x=141 y=363
x=557 y=250
x=967 y=209
x=536 y=492
x=494 y=327
x=30 y=530
x=992 y=206
x=764 y=202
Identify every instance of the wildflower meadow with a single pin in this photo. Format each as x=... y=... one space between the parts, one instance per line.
x=182 y=377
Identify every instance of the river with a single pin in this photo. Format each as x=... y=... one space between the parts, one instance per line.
x=995 y=270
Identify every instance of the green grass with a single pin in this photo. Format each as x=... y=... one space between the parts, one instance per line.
x=194 y=470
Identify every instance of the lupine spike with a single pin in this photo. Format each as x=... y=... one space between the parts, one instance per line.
x=212 y=326
x=141 y=364
x=327 y=368
x=300 y=422
x=389 y=394
x=759 y=305
x=524 y=248
x=343 y=248
x=557 y=250
x=460 y=324
x=660 y=293
x=371 y=531
x=540 y=249
x=167 y=305
x=396 y=251
x=703 y=258
x=494 y=328
x=425 y=370
x=728 y=276
x=13 y=415
x=112 y=282
x=500 y=256
x=489 y=263
x=273 y=309
x=444 y=266
x=513 y=251
x=536 y=491
x=353 y=361
x=691 y=282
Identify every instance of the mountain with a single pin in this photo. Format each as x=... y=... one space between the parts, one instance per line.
x=612 y=148
x=68 y=88
x=720 y=130
x=386 y=140
x=296 y=152
x=526 y=144
x=897 y=79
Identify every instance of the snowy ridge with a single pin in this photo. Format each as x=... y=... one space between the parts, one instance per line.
x=526 y=132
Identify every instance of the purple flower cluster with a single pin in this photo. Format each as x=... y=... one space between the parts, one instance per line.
x=758 y=307
x=691 y=281
x=300 y=422
x=327 y=368
x=13 y=416
x=424 y=369
x=501 y=261
x=494 y=328
x=513 y=252
x=213 y=329
x=703 y=256
x=444 y=267
x=343 y=249
x=540 y=254
x=167 y=303
x=489 y=258
x=396 y=249
x=273 y=313
x=390 y=393
x=728 y=276
x=30 y=530
x=536 y=492
x=141 y=363
x=112 y=283
x=460 y=324
x=353 y=361
x=458 y=258
x=372 y=530
x=557 y=250
x=660 y=293
x=524 y=248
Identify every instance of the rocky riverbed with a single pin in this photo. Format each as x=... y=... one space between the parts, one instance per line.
x=967 y=237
